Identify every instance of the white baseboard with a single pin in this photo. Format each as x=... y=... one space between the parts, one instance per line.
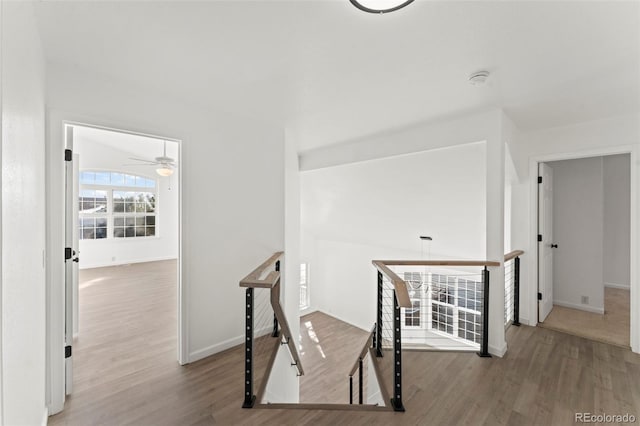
x=586 y=308
x=222 y=346
x=621 y=286
x=124 y=262
x=215 y=348
x=499 y=352
x=527 y=321
x=308 y=310
x=344 y=320
x=45 y=417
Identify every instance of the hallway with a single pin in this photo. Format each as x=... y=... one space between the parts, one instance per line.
x=127 y=374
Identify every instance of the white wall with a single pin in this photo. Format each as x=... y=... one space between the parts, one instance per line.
x=491 y=126
x=617 y=210
x=284 y=384
x=578 y=219
x=607 y=136
x=232 y=194
x=352 y=214
x=23 y=208
x=118 y=251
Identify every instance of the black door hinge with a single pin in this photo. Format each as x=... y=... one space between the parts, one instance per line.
x=68 y=155
x=68 y=253
x=67 y=351
x=539 y=296
x=539 y=237
x=539 y=179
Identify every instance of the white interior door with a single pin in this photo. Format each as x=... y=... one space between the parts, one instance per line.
x=545 y=241
x=71 y=256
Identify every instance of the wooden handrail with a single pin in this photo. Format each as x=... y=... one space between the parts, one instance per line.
x=254 y=279
x=363 y=352
x=437 y=262
x=513 y=255
x=398 y=283
x=286 y=331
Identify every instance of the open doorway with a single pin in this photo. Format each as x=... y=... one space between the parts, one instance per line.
x=122 y=270
x=584 y=229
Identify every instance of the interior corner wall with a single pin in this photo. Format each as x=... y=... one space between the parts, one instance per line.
x=617 y=210
x=232 y=195
x=578 y=229
x=118 y=251
x=352 y=214
x=23 y=218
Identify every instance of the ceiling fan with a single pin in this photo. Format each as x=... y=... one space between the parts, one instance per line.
x=167 y=165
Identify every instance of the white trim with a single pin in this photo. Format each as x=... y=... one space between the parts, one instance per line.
x=215 y=348
x=344 y=320
x=533 y=230
x=45 y=417
x=56 y=122
x=224 y=345
x=128 y=262
x=308 y=310
x=499 y=352
x=586 y=308
x=620 y=286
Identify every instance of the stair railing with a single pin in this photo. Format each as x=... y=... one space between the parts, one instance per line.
x=266 y=328
x=512 y=288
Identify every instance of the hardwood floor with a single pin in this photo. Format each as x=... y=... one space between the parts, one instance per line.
x=329 y=349
x=544 y=379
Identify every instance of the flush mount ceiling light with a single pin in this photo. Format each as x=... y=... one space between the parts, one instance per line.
x=479 y=78
x=380 y=6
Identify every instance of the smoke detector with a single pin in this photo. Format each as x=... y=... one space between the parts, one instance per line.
x=479 y=78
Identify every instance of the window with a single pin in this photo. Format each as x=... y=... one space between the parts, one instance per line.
x=116 y=205
x=92 y=210
x=412 y=315
x=304 y=286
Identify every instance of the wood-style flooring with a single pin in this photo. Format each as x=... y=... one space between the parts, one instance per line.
x=610 y=327
x=328 y=350
x=128 y=375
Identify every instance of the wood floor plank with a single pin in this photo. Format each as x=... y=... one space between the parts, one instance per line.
x=127 y=374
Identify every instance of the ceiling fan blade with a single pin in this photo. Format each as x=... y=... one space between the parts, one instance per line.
x=143 y=160
x=140 y=164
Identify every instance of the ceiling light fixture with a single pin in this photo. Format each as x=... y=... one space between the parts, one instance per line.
x=164 y=171
x=380 y=6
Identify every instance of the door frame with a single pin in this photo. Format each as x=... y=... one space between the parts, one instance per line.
x=634 y=295
x=55 y=133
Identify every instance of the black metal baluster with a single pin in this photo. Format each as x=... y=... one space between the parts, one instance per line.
x=360 y=382
x=396 y=401
x=274 y=333
x=484 y=346
x=516 y=291
x=378 y=336
x=249 y=397
x=350 y=389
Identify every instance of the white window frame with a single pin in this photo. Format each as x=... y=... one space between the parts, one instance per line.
x=307 y=303
x=110 y=214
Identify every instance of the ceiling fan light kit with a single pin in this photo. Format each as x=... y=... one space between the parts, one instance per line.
x=380 y=6
x=164 y=171
x=165 y=164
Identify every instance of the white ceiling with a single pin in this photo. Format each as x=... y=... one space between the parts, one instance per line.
x=330 y=73
x=129 y=145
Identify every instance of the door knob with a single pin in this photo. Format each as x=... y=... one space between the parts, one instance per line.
x=554 y=246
